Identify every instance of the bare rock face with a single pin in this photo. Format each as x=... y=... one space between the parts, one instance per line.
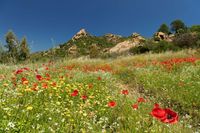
x=81 y=33
x=135 y=40
x=159 y=36
x=122 y=47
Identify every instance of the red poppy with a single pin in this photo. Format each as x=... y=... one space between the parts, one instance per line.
x=19 y=71
x=159 y=113
x=44 y=85
x=112 y=104
x=34 y=88
x=25 y=68
x=165 y=115
x=99 y=78
x=54 y=84
x=47 y=75
x=74 y=93
x=171 y=117
x=84 y=97
x=125 y=92
x=24 y=81
x=140 y=100
x=135 y=106
x=39 y=77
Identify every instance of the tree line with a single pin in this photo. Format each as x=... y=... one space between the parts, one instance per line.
x=14 y=50
x=178 y=27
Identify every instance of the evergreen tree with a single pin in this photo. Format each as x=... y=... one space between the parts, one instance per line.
x=164 y=28
x=178 y=26
x=24 y=51
x=12 y=45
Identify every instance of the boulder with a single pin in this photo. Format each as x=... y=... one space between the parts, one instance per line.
x=161 y=36
x=80 y=34
x=137 y=38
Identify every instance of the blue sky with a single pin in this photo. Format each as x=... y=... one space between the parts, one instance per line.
x=49 y=22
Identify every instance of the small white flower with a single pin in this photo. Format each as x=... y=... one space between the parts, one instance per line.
x=11 y=124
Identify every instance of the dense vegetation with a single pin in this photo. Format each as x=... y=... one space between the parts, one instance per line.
x=184 y=38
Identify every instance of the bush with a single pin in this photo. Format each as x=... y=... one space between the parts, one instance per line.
x=139 y=49
x=186 y=40
x=163 y=46
x=154 y=47
x=94 y=51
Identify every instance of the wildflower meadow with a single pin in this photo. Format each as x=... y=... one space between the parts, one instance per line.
x=147 y=93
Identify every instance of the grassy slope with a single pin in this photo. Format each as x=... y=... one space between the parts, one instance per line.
x=53 y=109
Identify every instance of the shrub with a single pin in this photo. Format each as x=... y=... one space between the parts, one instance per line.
x=94 y=51
x=186 y=40
x=154 y=47
x=139 y=49
x=163 y=46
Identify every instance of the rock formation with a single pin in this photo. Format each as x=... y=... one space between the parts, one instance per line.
x=81 y=33
x=159 y=36
x=137 y=38
x=134 y=40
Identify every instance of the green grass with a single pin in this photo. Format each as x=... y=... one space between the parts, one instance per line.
x=53 y=109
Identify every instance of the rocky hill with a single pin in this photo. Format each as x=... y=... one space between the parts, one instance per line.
x=84 y=44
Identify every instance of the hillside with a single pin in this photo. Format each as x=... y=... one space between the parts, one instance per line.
x=83 y=44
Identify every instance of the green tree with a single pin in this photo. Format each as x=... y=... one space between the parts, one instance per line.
x=178 y=25
x=12 y=45
x=164 y=28
x=24 y=51
x=195 y=28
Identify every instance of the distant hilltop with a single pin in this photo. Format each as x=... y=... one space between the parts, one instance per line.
x=176 y=37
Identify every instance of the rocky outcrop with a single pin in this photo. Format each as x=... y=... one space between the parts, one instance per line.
x=80 y=34
x=135 y=40
x=113 y=38
x=160 y=36
x=123 y=46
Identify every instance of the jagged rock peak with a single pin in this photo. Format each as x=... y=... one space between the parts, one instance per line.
x=81 y=33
